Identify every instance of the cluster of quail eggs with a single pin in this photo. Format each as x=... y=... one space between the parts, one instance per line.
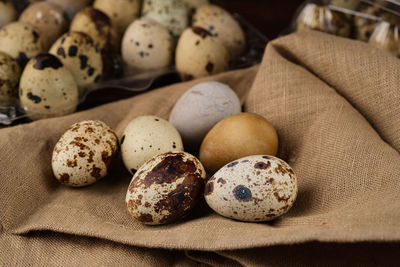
x=356 y=19
x=86 y=39
x=207 y=148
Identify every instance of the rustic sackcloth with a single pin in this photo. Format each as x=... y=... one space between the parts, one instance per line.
x=336 y=106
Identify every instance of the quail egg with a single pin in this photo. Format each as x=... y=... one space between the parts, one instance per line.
x=9 y=78
x=71 y=7
x=84 y=153
x=145 y=137
x=21 y=41
x=198 y=54
x=80 y=56
x=48 y=18
x=47 y=88
x=121 y=12
x=147 y=45
x=165 y=188
x=254 y=189
x=173 y=14
x=7 y=13
x=225 y=29
x=200 y=108
x=235 y=137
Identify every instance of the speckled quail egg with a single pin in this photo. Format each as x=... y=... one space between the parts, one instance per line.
x=321 y=18
x=121 y=12
x=80 y=56
x=222 y=26
x=173 y=14
x=98 y=26
x=235 y=137
x=200 y=108
x=145 y=137
x=21 y=41
x=9 y=78
x=71 y=7
x=198 y=54
x=47 y=88
x=386 y=37
x=254 y=189
x=84 y=153
x=147 y=45
x=165 y=188
x=7 y=13
x=48 y=18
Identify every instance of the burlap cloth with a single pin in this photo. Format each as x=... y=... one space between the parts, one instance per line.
x=336 y=106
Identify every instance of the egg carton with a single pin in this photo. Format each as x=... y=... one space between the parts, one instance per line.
x=373 y=21
x=127 y=84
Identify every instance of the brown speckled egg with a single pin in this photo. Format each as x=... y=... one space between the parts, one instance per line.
x=21 y=41
x=145 y=137
x=147 y=45
x=121 y=12
x=47 y=88
x=237 y=136
x=222 y=26
x=7 y=13
x=165 y=188
x=48 y=18
x=79 y=54
x=198 y=54
x=71 y=7
x=254 y=189
x=84 y=153
x=99 y=27
x=173 y=14
x=10 y=73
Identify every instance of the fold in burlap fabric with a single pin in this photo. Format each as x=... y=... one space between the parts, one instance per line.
x=336 y=106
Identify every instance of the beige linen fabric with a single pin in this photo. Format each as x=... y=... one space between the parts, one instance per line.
x=336 y=106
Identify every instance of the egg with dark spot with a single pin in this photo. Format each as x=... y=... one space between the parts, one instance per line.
x=165 y=188
x=254 y=189
x=84 y=153
x=77 y=51
x=10 y=73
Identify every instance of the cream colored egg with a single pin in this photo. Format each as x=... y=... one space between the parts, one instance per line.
x=223 y=27
x=48 y=18
x=255 y=188
x=198 y=54
x=21 y=41
x=84 y=153
x=173 y=14
x=145 y=137
x=7 y=13
x=165 y=188
x=47 y=88
x=71 y=7
x=80 y=56
x=121 y=12
x=147 y=45
x=10 y=73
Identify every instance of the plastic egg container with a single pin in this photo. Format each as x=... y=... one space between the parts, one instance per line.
x=55 y=53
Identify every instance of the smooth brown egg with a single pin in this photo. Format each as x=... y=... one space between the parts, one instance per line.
x=237 y=136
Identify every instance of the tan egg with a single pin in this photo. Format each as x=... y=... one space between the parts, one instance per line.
x=21 y=41
x=222 y=26
x=198 y=54
x=121 y=12
x=84 y=153
x=47 y=88
x=165 y=188
x=235 y=137
x=71 y=7
x=253 y=189
x=80 y=56
x=99 y=27
x=48 y=18
x=145 y=137
x=173 y=14
x=147 y=45
x=10 y=73
x=7 y=13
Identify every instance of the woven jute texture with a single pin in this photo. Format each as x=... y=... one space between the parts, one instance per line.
x=336 y=106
